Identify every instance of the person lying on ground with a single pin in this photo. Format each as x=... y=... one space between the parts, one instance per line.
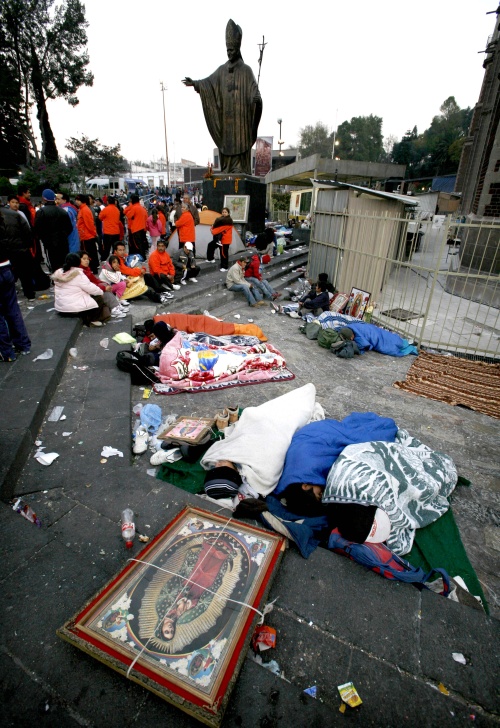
x=254 y=276
x=185 y=263
x=144 y=280
x=161 y=267
x=75 y=295
x=117 y=311
x=222 y=231
x=235 y=281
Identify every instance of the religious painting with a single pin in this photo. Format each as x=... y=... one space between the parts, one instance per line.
x=178 y=618
x=263 y=156
x=187 y=429
x=238 y=206
x=357 y=303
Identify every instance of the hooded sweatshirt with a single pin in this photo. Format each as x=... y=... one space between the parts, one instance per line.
x=73 y=291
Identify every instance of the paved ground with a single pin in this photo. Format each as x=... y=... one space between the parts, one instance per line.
x=335 y=622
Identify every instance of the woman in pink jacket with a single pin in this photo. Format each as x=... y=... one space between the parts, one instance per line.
x=155 y=228
x=75 y=295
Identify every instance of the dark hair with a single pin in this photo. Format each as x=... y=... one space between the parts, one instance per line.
x=321 y=285
x=81 y=253
x=72 y=261
x=22 y=188
x=163 y=332
x=154 y=214
x=111 y=200
x=354 y=520
x=83 y=198
x=118 y=242
x=64 y=195
x=112 y=258
x=323 y=277
x=302 y=502
x=134 y=199
x=12 y=197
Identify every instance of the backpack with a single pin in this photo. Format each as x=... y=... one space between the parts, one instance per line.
x=129 y=362
x=380 y=559
x=327 y=337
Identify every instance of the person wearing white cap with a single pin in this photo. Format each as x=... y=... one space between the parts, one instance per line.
x=185 y=265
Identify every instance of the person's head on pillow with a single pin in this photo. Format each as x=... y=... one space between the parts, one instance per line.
x=304 y=499
x=163 y=332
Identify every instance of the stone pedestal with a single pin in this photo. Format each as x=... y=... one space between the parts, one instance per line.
x=215 y=190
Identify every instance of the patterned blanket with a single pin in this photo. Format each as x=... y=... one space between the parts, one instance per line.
x=197 y=366
x=407 y=479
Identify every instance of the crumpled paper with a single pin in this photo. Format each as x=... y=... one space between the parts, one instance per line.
x=45 y=458
x=108 y=452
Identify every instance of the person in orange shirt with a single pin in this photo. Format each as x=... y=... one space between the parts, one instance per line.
x=137 y=216
x=152 y=293
x=86 y=230
x=185 y=228
x=110 y=218
x=161 y=266
x=223 y=227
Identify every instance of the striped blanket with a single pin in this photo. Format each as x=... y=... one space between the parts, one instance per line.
x=407 y=479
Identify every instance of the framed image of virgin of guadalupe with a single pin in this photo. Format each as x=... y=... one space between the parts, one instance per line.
x=178 y=618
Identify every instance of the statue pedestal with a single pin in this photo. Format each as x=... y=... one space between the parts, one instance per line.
x=222 y=185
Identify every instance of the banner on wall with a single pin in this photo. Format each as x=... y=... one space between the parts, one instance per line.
x=263 y=156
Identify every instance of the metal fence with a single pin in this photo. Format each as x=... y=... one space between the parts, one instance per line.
x=435 y=282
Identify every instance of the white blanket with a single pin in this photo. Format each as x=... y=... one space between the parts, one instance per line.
x=260 y=440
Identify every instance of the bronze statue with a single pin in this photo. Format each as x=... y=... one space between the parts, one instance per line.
x=232 y=106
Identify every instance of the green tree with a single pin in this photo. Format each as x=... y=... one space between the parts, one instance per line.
x=361 y=139
x=92 y=159
x=281 y=200
x=315 y=140
x=48 y=46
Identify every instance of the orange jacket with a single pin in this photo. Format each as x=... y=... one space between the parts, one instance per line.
x=136 y=215
x=135 y=272
x=161 y=263
x=185 y=228
x=227 y=233
x=164 y=221
x=110 y=218
x=85 y=223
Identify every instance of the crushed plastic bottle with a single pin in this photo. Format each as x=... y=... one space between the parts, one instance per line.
x=128 y=527
x=26 y=511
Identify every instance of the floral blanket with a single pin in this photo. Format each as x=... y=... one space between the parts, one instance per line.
x=189 y=365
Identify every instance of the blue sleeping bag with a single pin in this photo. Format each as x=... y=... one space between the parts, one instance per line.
x=369 y=336
x=315 y=447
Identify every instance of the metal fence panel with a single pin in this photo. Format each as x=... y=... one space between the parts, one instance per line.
x=435 y=282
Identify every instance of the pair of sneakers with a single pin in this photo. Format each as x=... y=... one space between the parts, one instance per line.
x=118 y=312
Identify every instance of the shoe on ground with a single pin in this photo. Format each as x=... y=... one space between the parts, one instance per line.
x=175 y=287
x=209 y=261
x=223 y=270
x=141 y=440
x=294 y=314
x=194 y=280
x=261 y=303
x=124 y=304
x=276 y=295
x=277 y=308
x=166 y=294
x=183 y=283
x=96 y=323
x=118 y=315
x=160 y=457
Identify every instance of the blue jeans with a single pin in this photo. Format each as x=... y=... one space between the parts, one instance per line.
x=251 y=294
x=12 y=329
x=262 y=286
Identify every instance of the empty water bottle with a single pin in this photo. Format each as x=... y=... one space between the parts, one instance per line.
x=128 y=527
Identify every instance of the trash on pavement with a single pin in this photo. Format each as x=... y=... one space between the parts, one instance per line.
x=83 y=369
x=45 y=458
x=62 y=417
x=47 y=354
x=312 y=691
x=108 y=452
x=250 y=321
x=20 y=506
x=263 y=638
x=147 y=393
x=142 y=538
x=104 y=343
x=237 y=316
x=151 y=417
x=272 y=665
x=349 y=694
x=458 y=657
x=442 y=689
x=124 y=338
x=128 y=527
x=55 y=415
x=136 y=409
x=73 y=352
x=67 y=434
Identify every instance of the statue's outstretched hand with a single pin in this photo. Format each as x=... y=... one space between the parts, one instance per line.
x=188 y=81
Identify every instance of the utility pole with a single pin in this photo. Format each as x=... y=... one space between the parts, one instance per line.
x=163 y=89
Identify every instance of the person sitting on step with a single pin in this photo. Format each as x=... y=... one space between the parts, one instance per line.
x=236 y=281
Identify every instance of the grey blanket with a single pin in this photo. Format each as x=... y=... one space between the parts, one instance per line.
x=407 y=479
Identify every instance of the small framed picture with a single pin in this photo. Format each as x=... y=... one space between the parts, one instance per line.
x=238 y=206
x=188 y=429
x=178 y=618
x=358 y=301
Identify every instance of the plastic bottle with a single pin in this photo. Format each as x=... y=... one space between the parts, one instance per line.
x=128 y=527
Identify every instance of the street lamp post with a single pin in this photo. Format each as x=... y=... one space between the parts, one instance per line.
x=280 y=140
x=163 y=89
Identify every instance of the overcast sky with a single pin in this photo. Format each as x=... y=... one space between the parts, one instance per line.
x=390 y=58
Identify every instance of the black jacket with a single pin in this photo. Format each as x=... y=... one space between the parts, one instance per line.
x=53 y=226
x=15 y=233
